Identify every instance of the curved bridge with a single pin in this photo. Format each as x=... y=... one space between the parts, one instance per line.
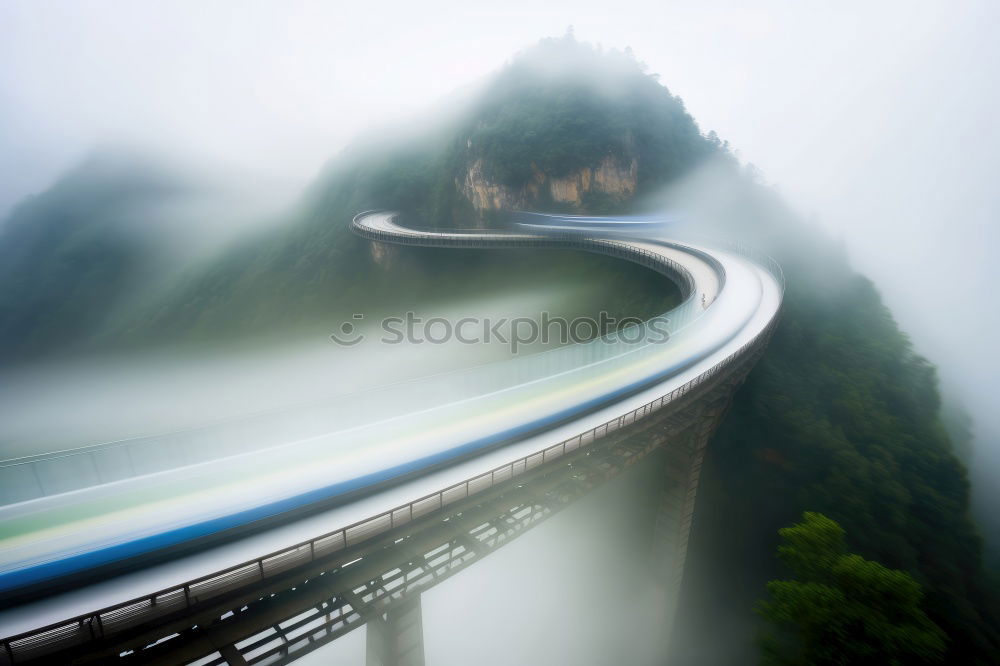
x=483 y=454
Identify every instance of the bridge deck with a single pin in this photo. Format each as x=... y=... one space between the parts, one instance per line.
x=738 y=314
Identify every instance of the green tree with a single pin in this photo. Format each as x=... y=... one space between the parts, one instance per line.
x=842 y=608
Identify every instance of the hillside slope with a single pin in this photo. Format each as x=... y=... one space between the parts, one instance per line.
x=71 y=257
x=562 y=127
x=840 y=416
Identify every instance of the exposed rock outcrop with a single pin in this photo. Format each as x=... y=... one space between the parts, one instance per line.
x=383 y=254
x=614 y=177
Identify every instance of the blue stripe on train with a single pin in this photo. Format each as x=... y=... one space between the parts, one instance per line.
x=143 y=546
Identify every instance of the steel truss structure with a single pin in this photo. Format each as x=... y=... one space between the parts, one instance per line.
x=378 y=581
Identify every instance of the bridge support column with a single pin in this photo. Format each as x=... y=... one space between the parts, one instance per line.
x=684 y=457
x=675 y=509
x=397 y=637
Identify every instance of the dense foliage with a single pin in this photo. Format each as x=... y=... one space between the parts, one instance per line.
x=71 y=256
x=562 y=106
x=840 y=416
x=78 y=267
x=841 y=609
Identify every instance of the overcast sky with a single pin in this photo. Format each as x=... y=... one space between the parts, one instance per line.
x=877 y=118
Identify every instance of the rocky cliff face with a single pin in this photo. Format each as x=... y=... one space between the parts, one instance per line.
x=614 y=177
x=383 y=254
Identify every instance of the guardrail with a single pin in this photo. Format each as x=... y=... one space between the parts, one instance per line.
x=476 y=239
x=40 y=475
x=114 y=619
x=188 y=596
x=678 y=317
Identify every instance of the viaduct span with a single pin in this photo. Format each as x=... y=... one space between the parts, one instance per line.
x=525 y=439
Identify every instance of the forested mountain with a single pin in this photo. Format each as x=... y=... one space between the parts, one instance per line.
x=840 y=416
x=70 y=257
x=562 y=127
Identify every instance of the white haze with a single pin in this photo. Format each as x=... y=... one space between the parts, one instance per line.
x=878 y=119
x=66 y=404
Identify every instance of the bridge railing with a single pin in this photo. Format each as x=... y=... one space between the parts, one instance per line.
x=188 y=596
x=36 y=476
x=178 y=599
